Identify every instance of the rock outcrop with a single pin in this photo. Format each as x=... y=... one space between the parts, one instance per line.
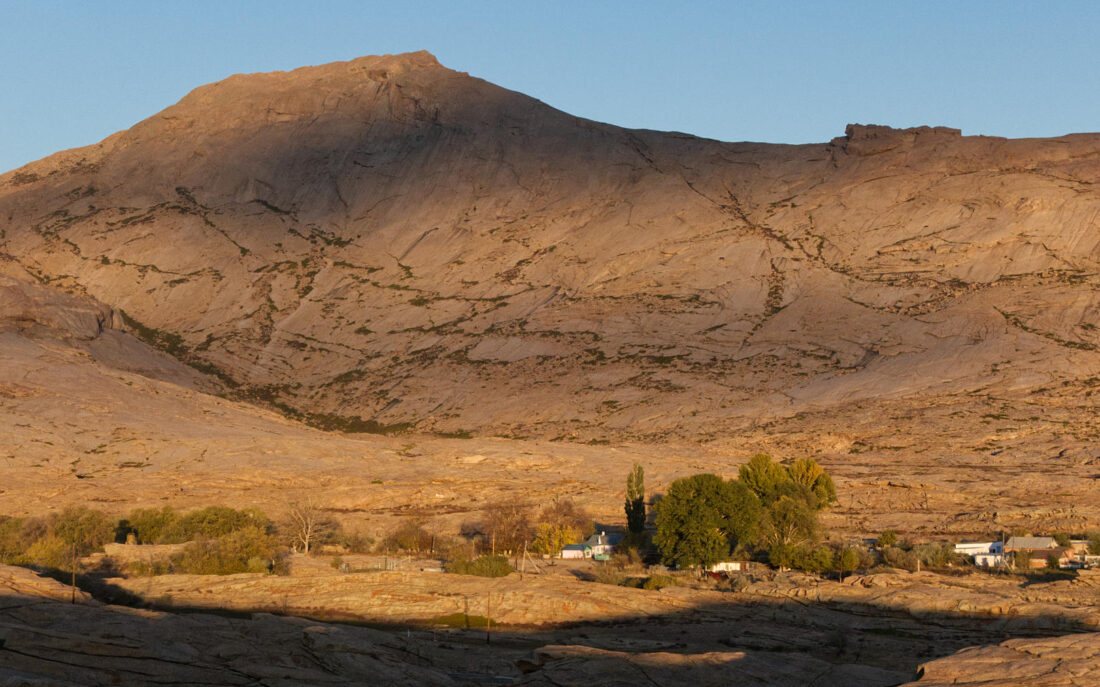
x=389 y=243
x=1068 y=661
x=569 y=666
x=48 y=642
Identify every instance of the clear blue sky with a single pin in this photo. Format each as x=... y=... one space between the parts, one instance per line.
x=792 y=72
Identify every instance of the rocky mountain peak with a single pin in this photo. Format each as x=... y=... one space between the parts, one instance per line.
x=388 y=240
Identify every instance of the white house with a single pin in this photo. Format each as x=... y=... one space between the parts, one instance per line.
x=576 y=551
x=728 y=566
x=974 y=548
x=602 y=543
x=989 y=560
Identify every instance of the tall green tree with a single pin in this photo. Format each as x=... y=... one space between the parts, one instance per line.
x=764 y=477
x=702 y=519
x=788 y=524
x=807 y=473
x=635 y=500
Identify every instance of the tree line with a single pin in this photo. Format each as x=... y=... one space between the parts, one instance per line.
x=770 y=511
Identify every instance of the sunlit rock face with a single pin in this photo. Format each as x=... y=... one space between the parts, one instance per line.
x=386 y=243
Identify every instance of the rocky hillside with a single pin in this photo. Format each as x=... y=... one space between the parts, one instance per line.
x=386 y=243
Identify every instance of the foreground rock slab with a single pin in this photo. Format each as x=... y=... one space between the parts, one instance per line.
x=564 y=666
x=1054 y=662
x=44 y=641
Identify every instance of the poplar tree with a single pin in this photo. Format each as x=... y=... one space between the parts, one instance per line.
x=635 y=500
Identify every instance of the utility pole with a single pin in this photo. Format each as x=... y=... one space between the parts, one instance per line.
x=73 y=600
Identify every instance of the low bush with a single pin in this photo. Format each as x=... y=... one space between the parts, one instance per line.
x=483 y=566
x=654 y=582
x=933 y=555
x=166 y=526
x=899 y=558
x=353 y=542
x=250 y=549
x=609 y=575
x=409 y=536
x=49 y=541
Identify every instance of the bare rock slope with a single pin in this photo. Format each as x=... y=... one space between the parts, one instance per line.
x=48 y=642
x=385 y=243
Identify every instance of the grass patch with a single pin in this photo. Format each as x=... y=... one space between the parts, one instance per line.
x=483 y=566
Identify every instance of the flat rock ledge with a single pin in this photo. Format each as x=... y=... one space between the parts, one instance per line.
x=1068 y=661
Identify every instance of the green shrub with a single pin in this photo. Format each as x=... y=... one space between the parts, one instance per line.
x=353 y=542
x=165 y=526
x=149 y=525
x=48 y=541
x=899 y=558
x=816 y=559
x=50 y=552
x=88 y=529
x=409 y=536
x=658 y=582
x=250 y=549
x=216 y=521
x=1094 y=542
x=483 y=566
x=847 y=560
x=1021 y=560
x=609 y=575
x=934 y=555
x=16 y=535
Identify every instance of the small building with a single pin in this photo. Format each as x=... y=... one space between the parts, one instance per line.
x=602 y=543
x=989 y=560
x=1029 y=544
x=576 y=551
x=1064 y=555
x=1080 y=546
x=599 y=547
x=973 y=548
x=728 y=566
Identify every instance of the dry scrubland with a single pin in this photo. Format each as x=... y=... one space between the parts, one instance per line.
x=406 y=293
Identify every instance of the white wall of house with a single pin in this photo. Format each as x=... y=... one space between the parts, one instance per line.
x=972 y=548
x=727 y=566
x=989 y=560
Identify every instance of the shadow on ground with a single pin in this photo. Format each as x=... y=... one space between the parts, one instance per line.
x=748 y=640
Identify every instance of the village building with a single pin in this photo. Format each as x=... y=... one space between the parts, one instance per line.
x=728 y=566
x=1029 y=544
x=1063 y=554
x=989 y=560
x=974 y=548
x=576 y=551
x=602 y=543
x=599 y=547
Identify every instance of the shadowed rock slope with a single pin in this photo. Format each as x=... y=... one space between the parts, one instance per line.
x=387 y=243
